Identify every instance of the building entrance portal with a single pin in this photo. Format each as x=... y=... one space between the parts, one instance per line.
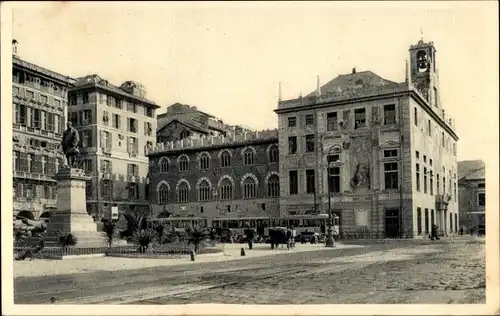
x=392 y=223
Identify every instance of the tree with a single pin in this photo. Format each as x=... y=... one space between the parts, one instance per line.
x=135 y=221
x=196 y=236
x=160 y=229
x=144 y=239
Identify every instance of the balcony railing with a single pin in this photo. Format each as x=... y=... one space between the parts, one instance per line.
x=35 y=176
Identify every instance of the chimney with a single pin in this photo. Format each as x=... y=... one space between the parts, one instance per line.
x=14 y=47
x=279 y=91
x=318 y=88
x=354 y=70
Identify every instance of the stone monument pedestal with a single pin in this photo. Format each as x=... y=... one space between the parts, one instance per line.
x=71 y=215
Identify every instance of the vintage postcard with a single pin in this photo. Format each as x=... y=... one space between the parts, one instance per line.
x=250 y=158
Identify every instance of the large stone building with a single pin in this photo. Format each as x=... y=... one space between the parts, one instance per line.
x=472 y=193
x=39 y=98
x=216 y=177
x=393 y=151
x=181 y=121
x=116 y=126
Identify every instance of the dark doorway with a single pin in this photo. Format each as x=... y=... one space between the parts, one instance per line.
x=392 y=225
x=260 y=227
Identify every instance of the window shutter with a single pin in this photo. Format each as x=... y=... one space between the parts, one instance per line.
x=128 y=145
x=128 y=124
x=109 y=140
x=136 y=126
x=103 y=139
x=136 y=146
x=145 y=128
x=129 y=171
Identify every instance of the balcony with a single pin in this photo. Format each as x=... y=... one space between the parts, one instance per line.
x=442 y=202
x=34 y=176
x=106 y=175
x=133 y=178
x=106 y=150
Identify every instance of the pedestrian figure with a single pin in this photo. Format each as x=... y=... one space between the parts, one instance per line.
x=294 y=235
x=434 y=235
x=461 y=230
x=288 y=238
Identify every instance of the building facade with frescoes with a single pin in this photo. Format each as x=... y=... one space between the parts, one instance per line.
x=384 y=150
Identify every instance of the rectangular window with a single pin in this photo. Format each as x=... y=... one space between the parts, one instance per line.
x=417 y=155
x=391 y=173
x=417 y=175
x=37 y=118
x=432 y=217
x=148 y=129
x=310 y=181
x=389 y=114
x=437 y=184
x=442 y=139
x=72 y=99
x=85 y=97
x=415 y=116
x=481 y=199
x=332 y=121
x=309 y=120
x=132 y=170
x=359 y=118
x=334 y=179
x=425 y=180
x=116 y=121
x=132 y=125
x=44 y=99
x=431 y=183
x=436 y=96
x=390 y=153
x=294 y=182
x=87 y=138
x=292 y=122
x=132 y=145
x=481 y=185
x=419 y=221
x=106 y=188
x=105 y=166
x=426 y=221
x=105 y=117
x=149 y=112
x=425 y=159
x=430 y=162
x=309 y=143
x=292 y=144
x=429 y=128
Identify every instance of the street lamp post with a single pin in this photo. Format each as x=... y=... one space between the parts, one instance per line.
x=330 y=242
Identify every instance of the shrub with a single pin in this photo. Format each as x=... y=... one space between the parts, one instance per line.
x=67 y=240
x=135 y=222
x=109 y=231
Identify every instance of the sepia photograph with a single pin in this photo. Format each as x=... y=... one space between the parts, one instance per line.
x=228 y=157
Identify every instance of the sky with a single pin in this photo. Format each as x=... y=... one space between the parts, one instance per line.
x=228 y=58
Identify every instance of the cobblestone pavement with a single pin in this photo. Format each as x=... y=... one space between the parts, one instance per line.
x=446 y=271
x=443 y=272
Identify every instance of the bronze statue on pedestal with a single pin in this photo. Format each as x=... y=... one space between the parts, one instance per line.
x=70 y=142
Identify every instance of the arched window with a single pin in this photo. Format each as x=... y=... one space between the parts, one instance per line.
x=249 y=188
x=183 y=163
x=273 y=186
x=225 y=159
x=183 y=192
x=204 y=191
x=164 y=164
x=163 y=193
x=273 y=154
x=204 y=162
x=226 y=189
x=248 y=157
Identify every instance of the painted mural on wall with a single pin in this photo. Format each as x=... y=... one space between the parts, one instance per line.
x=360 y=162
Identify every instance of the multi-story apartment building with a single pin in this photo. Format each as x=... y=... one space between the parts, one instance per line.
x=181 y=121
x=39 y=98
x=472 y=193
x=384 y=150
x=216 y=178
x=116 y=126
